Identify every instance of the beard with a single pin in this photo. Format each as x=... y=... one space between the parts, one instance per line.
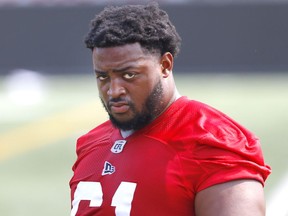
x=152 y=107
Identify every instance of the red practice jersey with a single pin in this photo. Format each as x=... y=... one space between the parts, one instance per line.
x=158 y=170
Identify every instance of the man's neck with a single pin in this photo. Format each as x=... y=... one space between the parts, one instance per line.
x=126 y=133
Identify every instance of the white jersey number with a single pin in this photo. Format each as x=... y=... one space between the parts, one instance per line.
x=92 y=191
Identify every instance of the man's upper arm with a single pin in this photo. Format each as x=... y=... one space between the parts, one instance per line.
x=234 y=198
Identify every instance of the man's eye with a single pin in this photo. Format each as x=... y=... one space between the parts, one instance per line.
x=129 y=75
x=102 y=77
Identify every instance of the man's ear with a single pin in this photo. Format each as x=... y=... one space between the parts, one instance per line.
x=167 y=61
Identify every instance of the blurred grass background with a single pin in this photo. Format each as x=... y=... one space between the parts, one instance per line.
x=37 y=140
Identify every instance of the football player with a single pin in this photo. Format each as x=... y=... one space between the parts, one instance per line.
x=160 y=153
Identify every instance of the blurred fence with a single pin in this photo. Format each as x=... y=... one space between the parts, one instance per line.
x=216 y=37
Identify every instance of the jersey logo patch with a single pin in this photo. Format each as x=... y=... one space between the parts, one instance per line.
x=108 y=169
x=118 y=146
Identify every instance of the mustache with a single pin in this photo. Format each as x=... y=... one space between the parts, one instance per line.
x=117 y=100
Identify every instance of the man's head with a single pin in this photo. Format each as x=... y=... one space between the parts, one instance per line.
x=145 y=24
x=133 y=53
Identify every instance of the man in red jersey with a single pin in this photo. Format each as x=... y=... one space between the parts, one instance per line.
x=160 y=154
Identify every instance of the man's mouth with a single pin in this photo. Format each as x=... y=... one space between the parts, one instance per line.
x=118 y=107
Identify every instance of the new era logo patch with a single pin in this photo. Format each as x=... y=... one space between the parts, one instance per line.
x=118 y=146
x=108 y=169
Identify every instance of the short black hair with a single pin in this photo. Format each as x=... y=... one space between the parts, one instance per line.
x=146 y=24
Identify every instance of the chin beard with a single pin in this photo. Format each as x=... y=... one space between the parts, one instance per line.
x=153 y=107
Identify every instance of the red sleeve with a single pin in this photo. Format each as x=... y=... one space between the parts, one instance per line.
x=223 y=151
x=221 y=162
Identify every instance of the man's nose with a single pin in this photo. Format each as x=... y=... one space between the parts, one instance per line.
x=116 y=88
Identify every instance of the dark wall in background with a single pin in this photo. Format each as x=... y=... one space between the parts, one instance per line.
x=243 y=37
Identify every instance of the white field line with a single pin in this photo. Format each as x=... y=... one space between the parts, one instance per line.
x=277 y=204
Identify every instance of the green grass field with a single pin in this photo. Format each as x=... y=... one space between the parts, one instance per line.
x=37 y=141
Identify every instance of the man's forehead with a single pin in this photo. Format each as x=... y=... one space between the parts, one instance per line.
x=121 y=56
x=130 y=48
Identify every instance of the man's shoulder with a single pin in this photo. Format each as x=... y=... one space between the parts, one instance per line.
x=198 y=108
x=185 y=102
x=99 y=134
x=190 y=109
x=102 y=129
x=193 y=118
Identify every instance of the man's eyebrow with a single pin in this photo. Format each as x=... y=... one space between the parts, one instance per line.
x=123 y=69
x=115 y=70
x=98 y=71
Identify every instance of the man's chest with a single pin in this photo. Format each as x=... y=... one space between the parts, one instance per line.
x=135 y=176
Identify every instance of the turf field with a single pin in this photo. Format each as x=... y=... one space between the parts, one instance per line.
x=38 y=132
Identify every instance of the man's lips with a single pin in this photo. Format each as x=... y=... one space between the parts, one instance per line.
x=119 y=107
